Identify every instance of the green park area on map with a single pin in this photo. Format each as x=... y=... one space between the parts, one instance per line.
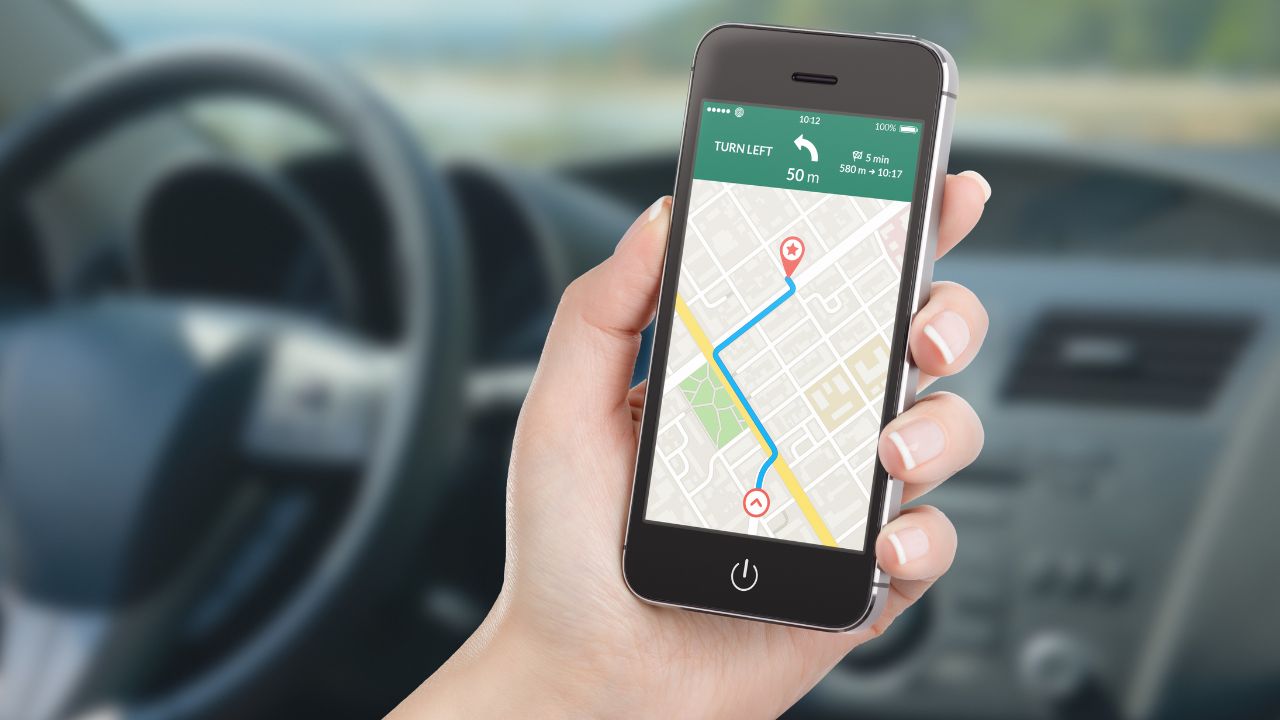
x=713 y=406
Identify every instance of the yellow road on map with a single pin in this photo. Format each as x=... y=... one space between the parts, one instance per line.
x=784 y=470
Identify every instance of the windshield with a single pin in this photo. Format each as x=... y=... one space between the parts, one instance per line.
x=530 y=82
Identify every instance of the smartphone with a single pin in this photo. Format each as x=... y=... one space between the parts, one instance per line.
x=802 y=239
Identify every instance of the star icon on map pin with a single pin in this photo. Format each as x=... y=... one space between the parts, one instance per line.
x=792 y=252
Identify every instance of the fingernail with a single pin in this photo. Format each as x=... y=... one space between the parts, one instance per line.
x=918 y=442
x=949 y=333
x=986 y=186
x=653 y=213
x=656 y=209
x=909 y=544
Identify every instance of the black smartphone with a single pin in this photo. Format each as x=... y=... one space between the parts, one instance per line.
x=802 y=240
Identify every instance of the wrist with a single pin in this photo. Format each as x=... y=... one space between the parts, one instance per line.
x=505 y=669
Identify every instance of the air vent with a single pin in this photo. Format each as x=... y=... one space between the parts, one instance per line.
x=1150 y=361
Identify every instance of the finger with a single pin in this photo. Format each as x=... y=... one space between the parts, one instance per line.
x=915 y=549
x=919 y=545
x=928 y=557
x=591 y=348
x=635 y=400
x=902 y=595
x=928 y=443
x=948 y=331
x=963 y=197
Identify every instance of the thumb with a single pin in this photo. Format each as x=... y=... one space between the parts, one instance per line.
x=591 y=349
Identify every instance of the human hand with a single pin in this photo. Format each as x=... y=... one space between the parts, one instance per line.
x=565 y=636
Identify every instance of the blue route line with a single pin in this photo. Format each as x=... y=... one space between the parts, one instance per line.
x=715 y=355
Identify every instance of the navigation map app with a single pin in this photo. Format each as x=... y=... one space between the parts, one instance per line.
x=785 y=310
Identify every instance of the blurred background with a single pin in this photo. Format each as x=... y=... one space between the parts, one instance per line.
x=266 y=323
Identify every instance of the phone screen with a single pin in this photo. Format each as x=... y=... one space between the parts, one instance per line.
x=785 y=307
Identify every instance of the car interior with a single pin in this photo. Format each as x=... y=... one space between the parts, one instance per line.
x=286 y=391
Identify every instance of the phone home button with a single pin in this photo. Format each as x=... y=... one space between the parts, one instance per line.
x=744 y=575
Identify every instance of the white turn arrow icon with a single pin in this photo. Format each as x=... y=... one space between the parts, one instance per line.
x=802 y=144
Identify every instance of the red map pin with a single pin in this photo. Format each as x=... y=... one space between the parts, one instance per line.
x=792 y=252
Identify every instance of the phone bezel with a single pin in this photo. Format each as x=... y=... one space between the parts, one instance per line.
x=808 y=585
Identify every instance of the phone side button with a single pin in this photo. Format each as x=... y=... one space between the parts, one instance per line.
x=892 y=502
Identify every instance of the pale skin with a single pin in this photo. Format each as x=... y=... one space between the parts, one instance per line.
x=566 y=637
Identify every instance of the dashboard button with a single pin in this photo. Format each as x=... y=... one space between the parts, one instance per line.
x=744 y=575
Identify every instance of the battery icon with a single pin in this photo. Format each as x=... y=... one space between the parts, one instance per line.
x=909 y=129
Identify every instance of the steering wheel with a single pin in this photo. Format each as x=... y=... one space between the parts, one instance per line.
x=123 y=420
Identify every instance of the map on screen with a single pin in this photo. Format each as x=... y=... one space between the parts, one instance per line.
x=785 y=310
